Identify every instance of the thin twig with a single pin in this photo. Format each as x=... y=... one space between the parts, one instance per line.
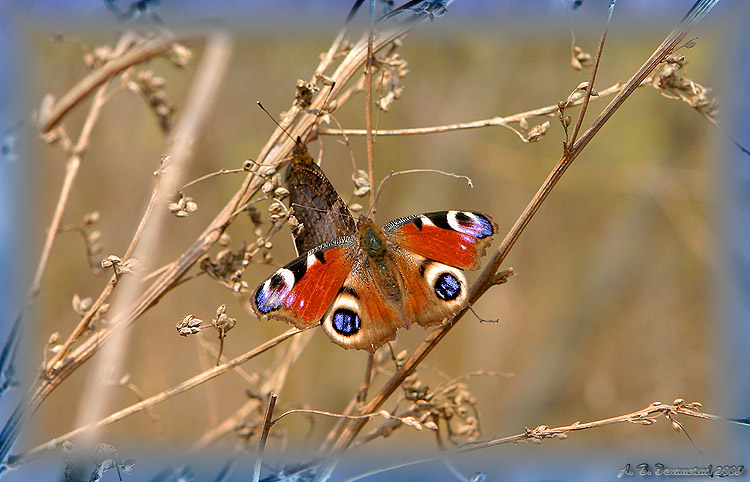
x=492 y=122
x=594 y=70
x=414 y=171
x=71 y=172
x=368 y=378
x=370 y=145
x=220 y=172
x=138 y=54
x=264 y=436
x=646 y=416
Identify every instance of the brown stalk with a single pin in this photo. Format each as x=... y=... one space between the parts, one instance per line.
x=590 y=86
x=494 y=121
x=138 y=54
x=646 y=416
x=264 y=437
x=485 y=280
x=368 y=117
x=71 y=172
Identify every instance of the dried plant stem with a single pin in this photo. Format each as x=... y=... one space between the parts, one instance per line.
x=220 y=172
x=71 y=172
x=646 y=416
x=138 y=54
x=368 y=114
x=590 y=86
x=368 y=379
x=264 y=436
x=485 y=281
x=160 y=397
x=83 y=325
x=415 y=171
x=494 y=121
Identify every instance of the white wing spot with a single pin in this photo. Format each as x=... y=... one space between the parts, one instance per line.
x=311 y=260
x=426 y=221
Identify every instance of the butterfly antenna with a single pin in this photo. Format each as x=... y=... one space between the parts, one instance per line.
x=296 y=141
x=380 y=191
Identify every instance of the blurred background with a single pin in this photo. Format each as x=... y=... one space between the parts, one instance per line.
x=619 y=296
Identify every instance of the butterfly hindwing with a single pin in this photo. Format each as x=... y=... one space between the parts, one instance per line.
x=434 y=291
x=359 y=317
x=454 y=238
x=301 y=292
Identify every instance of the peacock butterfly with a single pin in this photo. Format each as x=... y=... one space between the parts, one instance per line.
x=323 y=215
x=361 y=288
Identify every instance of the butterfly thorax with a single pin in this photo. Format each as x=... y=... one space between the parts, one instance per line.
x=383 y=270
x=372 y=239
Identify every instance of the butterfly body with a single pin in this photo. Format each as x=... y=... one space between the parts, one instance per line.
x=362 y=288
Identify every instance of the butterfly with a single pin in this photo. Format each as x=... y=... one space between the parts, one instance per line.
x=361 y=288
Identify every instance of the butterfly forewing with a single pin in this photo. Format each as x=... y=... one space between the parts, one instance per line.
x=454 y=238
x=316 y=204
x=301 y=292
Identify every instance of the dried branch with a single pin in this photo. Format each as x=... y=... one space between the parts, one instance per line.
x=590 y=86
x=646 y=416
x=264 y=437
x=494 y=121
x=74 y=96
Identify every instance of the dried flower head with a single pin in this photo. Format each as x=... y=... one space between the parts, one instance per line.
x=361 y=183
x=189 y=325
x=183 y=206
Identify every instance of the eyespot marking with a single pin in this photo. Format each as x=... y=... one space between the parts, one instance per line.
x=473 y=224
x=275 y=290
x=346 y=322
x=447 y=287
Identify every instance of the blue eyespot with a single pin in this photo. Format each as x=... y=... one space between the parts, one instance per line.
x=483 y=226
x=474 y=224
x=447 y=287
x=346 y=322
x=261 y=301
